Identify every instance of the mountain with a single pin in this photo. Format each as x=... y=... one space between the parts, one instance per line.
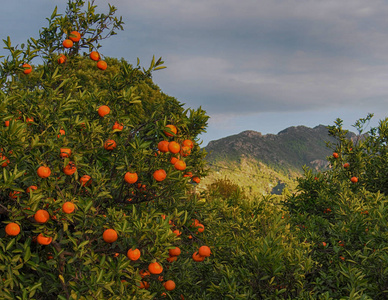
x=266 y=164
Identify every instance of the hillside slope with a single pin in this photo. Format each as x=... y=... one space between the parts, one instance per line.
x=266 y=164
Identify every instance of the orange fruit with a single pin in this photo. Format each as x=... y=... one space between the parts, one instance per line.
x=188 y=174
x=65 y=152
x=185 y=151
x=67 y=43
x=201 y=228
x=197 y=257
x=144 y=285
x=85 y=179
x=160 y=175
x=144 y=273
x=41 y=216
x=172 y=129
x=163 y=146
x=62 y=59
x=5 y=161
x=335 y=155
x=196 y=179
x=155 y=268
x=133 y=254
x=27 y=68
x=103 y=110
x=68 y=207
x=44 y=240
x=177 y=232
x=75 y=36
x=354 y=179
x=70 y=168
x=169 y=285
x=43 y=172
x=130 y=177
x=174 y=252
x=174 y=147
x=110 y=145
x=324 y=244
x=171 y=259
x=173 y=160
x=61 y=132
x=117 y=126
x=180 y=165
x=31 y=188
x=204 y=251
x=102 y=65
x=94 y=55
x=188 y=143
x=12 y=229
x=110 y=235
x=346 y=165
x=14 y=194
x=6 y=123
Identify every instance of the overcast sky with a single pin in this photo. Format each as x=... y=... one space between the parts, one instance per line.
x=260 y=65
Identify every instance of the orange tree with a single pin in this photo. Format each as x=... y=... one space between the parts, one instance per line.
x=342 y=213
x=84 y=178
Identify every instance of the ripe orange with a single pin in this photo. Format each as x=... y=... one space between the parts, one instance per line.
x=188 y=174
x=177 y=232
x=197 y=257
x=196 y=179
x=204 y=251
x=12 y=229
x=174 y=147
x=160 y=175
x=133 y=254
x=67 y=43
x=110 y=235
x=144 y=273
x=173 y=160
x=5 y=161
x=200 y=227
x=85 y=179
x=62 y=59
x=174 y=252
x=14 y=194
x=6 y=123
x=117 y=126
x=44 y=240
x=27 y=68
x=185 y=151
x=354 y=179
x=43 y=172
x=188 y=143
x=103 y=110
x=61 y=132
x=94 y=55
x=110 y=145
x=144 y=285
x=346 y=165
x=169 y=285
x=70 y=168
x=31 y=188
x=41 y=216
x=65 y=152
x=68 y=207
x=163 y=146
x=102 y=65
x=335 y=155
x=155 y=268
x=324 y=244
x=180 y=165
x=171 y=259
x=130 y=177
x=75 y=36
x=172 y=129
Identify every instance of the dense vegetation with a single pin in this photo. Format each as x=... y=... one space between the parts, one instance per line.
x=113 y=213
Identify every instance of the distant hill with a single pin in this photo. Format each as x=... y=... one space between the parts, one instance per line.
x=266 y=164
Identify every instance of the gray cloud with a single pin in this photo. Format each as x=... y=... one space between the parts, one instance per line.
x=246 y=57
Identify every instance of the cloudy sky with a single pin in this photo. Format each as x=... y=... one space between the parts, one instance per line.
x=260 y=65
